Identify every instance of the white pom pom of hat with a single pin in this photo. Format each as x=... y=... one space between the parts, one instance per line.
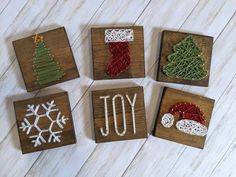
x=167 y=120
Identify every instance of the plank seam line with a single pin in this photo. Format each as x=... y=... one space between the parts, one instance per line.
x=142 y=12
x=189 y=15
x=86 y=160
x=183 y=148
x=5 y=7
x=18 y=14
x=136 y=154
x=221 y=159
x=88 y=23
x=223 y=29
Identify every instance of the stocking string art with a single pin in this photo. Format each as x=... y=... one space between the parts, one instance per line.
x=186 y=61
x=46 y=68
x=118 y=43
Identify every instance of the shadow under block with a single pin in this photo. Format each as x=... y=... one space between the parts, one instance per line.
x=99 y=113
x=57 y=41
x=47 y=118
x=101 y=54
x=169 y=98
x=169 y=39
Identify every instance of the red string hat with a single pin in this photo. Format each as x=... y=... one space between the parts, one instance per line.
x=118 y=40
x=191 y=119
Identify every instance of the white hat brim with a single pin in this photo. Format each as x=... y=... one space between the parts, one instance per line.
x=191 y=127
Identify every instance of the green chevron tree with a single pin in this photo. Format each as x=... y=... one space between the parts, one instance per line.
x=45 y=67
x=185 y=62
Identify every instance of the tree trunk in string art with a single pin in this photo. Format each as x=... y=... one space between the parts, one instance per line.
x=45 y=67
x=185 y=62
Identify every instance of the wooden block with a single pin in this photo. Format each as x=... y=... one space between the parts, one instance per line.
x=48 y=116
x=169 y=39
x=57 y=41
x=135 y=123
x=170 y=97
x=101 y=54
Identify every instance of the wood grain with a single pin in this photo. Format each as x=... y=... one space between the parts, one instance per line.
x=169 y=98
x=99 y=114
x=169 y=39
x=56 y=40
x=62 y=103
x=101 y=54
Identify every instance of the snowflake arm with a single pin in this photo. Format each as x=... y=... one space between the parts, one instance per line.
x=38 y=139
x=54 y=136
x=26 y=126
x=49 y=107
x=61 y=120
x=33 y=110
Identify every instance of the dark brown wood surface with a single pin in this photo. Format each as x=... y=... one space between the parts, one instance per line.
x=101 y=54
x=57 y=41
x=62 y=103
x=169 y=39
x=169 y=98
x=99 y=114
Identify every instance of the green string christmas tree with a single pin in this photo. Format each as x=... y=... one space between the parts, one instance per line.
x=45 y=67
x=185 y=62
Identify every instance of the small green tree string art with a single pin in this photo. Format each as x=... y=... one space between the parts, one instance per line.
x=185 y=62
x=45 y=67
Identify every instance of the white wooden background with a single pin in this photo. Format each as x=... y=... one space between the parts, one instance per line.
x=145 y=157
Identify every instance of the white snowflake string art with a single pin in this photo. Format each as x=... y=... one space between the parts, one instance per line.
x=33 y=110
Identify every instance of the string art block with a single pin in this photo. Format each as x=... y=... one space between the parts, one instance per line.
x=119 y=114
x=45 y=59
x=185 y=58
x=45 y=67
x=183 y=117
x=44 y=122
x=118 y=52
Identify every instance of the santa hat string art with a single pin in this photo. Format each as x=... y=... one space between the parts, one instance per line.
x=118 y=42
x=191 y=119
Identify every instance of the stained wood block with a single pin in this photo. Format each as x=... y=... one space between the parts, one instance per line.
x=57 y=41
x=44 y=122
x=171 y=38
x=122 y=122
x=101 y=54
x=171 y=97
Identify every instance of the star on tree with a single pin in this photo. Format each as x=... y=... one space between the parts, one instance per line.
x=185 y=62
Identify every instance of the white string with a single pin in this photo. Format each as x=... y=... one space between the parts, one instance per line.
x=132 y=107
x=106 y=117
x=119 y=35
x=191 y=127
x=123 y=113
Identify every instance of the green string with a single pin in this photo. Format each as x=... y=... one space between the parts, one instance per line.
x=185 y=62
x=45 y=67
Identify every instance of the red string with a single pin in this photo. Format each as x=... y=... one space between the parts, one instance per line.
x=188 y=111
x=120 y=58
